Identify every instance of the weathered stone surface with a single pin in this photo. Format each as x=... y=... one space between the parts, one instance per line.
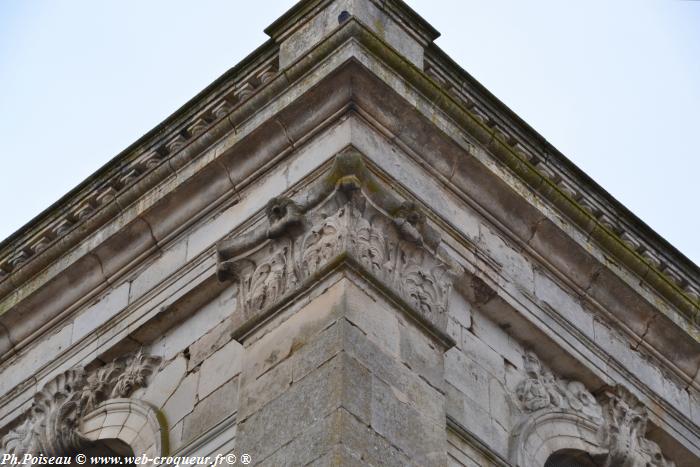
x=424 y=357
x=281 y=355
x=460 y=310
x=210 y=410
x=165 y=382
x=468 y=377
x=417 y=436
x=462 y=453
x=369 y=446
x=220 y=367
x=412 y=389
x=160 y=267
x=413 y=278
x=294 y=411
x=477 y=350
x=466 y=410
x=183 y=400
x=96 y=315
x=381 y=325
x=312 y=445
x=209 y=343
x=179 y=338
x=501 y=404
x=565 y=303
x=257 y=392
x=340 y=366
x=327 y=20
x=312 y=355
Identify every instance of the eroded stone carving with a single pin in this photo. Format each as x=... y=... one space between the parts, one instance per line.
x=283 y=214
x=542 y=390
x=617 y=418
x=386 y=237
x=624 y=432
x=624 y=427
x=51 y=427
x=56 y=412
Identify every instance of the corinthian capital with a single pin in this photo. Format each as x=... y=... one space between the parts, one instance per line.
x=347 y=217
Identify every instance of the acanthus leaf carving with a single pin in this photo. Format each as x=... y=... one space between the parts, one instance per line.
x=134 y=375
x=51 y=427
x=388 y=238
x=625 y=425
x=97 y=387
x=56 y=413
x=620 y=418
x=20 y=440
x=624 y=432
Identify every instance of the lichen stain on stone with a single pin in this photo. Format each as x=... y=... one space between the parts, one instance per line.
x=297 y=343
x=272 y=358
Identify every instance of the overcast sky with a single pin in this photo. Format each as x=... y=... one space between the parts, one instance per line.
x=614 y=85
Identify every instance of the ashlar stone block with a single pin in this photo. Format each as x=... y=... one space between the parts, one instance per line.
x=220 y=404
x=468 y=377
x=220 y=367
x=337 y=394
x=165 y=382
x=183 y=400
x=294 y=411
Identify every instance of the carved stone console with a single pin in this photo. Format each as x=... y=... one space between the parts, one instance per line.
x=53 y=425
x=563 y=414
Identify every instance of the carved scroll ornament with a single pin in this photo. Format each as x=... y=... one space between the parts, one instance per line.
x=616 y=421
x=52 y=426
x=386 y=238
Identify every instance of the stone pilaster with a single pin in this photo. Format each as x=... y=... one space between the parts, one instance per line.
x=346 y=379
x=342 y=301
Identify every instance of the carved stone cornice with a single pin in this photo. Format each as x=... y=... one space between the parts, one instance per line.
x=618 y=417
x=160 y=146
x=620 y=232
x=51 y=426
x=349 y=217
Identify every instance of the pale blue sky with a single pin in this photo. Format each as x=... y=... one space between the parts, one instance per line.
x=614 y=85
